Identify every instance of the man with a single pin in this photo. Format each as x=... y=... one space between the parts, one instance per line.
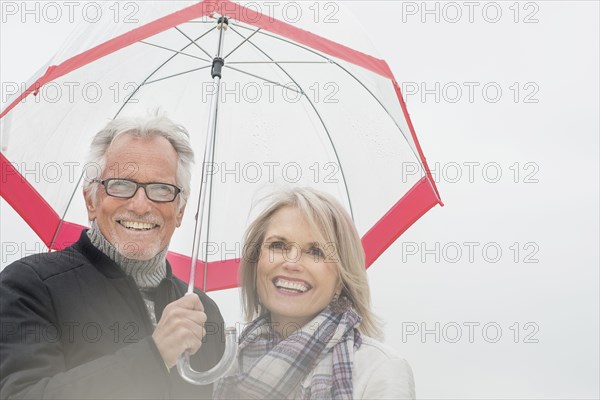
x=105 y=318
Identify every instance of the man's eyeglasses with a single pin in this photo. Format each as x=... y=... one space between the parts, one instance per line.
x=126 y=189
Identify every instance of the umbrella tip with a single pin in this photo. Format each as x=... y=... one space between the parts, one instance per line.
x=223 y=23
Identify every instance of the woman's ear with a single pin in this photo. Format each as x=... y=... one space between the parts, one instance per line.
x=339 y=287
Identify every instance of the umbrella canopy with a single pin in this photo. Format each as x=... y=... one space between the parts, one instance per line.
x=293 y=108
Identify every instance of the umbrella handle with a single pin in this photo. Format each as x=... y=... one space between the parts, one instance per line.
x=204 y=378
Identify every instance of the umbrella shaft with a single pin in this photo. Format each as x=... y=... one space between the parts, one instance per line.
x=206 y=184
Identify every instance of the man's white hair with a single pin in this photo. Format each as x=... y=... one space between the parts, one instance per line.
x=145 y=127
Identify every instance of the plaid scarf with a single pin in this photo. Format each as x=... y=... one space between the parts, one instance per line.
x=270 y=367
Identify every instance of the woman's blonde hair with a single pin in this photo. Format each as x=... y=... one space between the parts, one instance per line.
x=333 y=225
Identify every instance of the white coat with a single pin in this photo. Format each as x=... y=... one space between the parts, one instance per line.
x=379 y=373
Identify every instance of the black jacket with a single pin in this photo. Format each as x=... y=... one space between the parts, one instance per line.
x=73 y=325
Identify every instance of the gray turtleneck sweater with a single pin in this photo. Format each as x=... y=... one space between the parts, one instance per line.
x=147 y=274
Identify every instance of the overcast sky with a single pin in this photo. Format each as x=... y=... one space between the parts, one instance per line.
x=495 y=295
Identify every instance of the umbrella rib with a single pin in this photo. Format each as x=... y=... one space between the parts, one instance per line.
x=62 y=219
x=389 y=115
x=194 y=41
x=351 y=75
x=280 y=38
x=320 y=119
x=177 y=74
x=326 y=60
x=174 y=51
x=264 y=79
x=156 y=70
x=239 y=45
x=278 y=62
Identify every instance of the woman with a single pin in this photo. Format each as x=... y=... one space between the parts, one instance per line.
x=304 y=287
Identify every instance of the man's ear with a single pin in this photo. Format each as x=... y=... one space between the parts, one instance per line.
x=179 y=216
x=90 y=205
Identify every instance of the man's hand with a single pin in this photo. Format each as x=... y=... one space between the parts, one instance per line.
x=181 y=328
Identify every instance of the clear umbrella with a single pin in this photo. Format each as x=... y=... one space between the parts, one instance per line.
x=281 y=103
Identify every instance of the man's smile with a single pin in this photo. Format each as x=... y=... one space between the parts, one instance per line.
x=137 y=225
